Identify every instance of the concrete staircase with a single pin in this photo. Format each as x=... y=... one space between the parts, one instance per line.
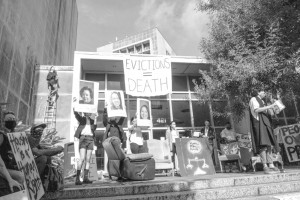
x=219 y=186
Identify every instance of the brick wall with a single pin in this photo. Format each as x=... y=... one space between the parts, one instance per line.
x=33 y=32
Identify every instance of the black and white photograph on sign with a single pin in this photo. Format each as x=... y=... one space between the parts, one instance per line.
x=115 y=103
x=144 y=117
x=87 y=96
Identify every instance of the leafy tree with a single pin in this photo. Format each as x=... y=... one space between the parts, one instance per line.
x=252 y=44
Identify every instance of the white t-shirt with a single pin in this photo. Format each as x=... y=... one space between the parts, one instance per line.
x=253 y=106
x=174 y=135
x=87 y=129
x=229 y=134
x=136 y=135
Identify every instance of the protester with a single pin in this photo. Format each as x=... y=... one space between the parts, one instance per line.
x=262 y=131
x=86 y=135
x=42 y=156
x=228 y=134
x=171 y=134
x=87 y=96
x=136 y=138
x=6 y=153
x=53 y=85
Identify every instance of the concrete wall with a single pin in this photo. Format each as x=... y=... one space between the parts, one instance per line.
x=33 y=32
x=64 y=102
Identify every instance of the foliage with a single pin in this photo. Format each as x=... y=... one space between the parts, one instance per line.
x=251 y=47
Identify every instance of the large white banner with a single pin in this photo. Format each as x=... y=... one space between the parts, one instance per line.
x=147 y=75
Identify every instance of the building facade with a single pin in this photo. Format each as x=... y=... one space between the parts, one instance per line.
x=32 y=33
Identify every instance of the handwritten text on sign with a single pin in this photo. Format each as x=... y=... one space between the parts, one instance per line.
x=291 y=140
x=26 y=164
x=147 y=76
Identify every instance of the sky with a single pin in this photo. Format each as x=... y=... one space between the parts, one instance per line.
x=101 y=22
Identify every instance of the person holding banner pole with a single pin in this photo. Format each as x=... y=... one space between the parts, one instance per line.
x=262 y=131
x=86 y=134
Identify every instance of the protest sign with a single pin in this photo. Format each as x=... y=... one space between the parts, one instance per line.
x=88 y=97
x=115 y=103
x=144 y=116
x=291 y=140
x=194 y=156
x=147 y=75
x=244 y=140
x=25 y=161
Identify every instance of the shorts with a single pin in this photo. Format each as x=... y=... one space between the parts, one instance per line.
x=86 y=142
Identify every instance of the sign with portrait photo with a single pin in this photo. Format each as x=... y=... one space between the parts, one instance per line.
x=87 y=97
x=144 y=115
x=115 y=103
x=147 y=75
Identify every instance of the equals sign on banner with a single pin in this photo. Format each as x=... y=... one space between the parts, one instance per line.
x=147 y=73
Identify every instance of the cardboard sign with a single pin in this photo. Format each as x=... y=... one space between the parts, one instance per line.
x=229 y=149
x=147 y=75
x=291 y=140
x=25 y=161
x=245 y=140
x=115 y=103
x=194 y=157
x=144 y=115
x=93 y=176
x=87 y=97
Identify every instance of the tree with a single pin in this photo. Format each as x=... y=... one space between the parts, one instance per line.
x=252 y=44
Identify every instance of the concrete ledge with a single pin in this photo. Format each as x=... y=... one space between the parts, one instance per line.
x=213 y=187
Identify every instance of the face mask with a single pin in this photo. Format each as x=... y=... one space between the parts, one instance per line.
x=10 y=124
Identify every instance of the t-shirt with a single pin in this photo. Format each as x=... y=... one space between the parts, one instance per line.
x=87 y=128
x=174 y=135
x=229 y=134
x=253 y=106
x=136 y=135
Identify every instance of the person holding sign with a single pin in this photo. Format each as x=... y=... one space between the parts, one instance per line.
x=6 y=151
x=262 y=131
x=171 y=135
x=136 y=138
x=86 y=134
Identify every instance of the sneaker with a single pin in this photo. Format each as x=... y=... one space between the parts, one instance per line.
x=275 y=169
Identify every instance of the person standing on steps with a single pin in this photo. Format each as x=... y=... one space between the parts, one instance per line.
x=86 y=134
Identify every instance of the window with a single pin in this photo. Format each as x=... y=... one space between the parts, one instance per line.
x=179 y=83
x=115 y=82
x=157 y=134
x=146 y=46
x=219 y=106
x=181 y=113
x=160 y=113
x=100 y=78
x=100 y=114
x=201 y=113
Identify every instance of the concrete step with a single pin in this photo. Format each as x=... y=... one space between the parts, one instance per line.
x=235 y=193
x=283 y=196
x=207 y=187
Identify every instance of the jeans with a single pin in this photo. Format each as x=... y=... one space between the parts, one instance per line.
x=265 y=154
